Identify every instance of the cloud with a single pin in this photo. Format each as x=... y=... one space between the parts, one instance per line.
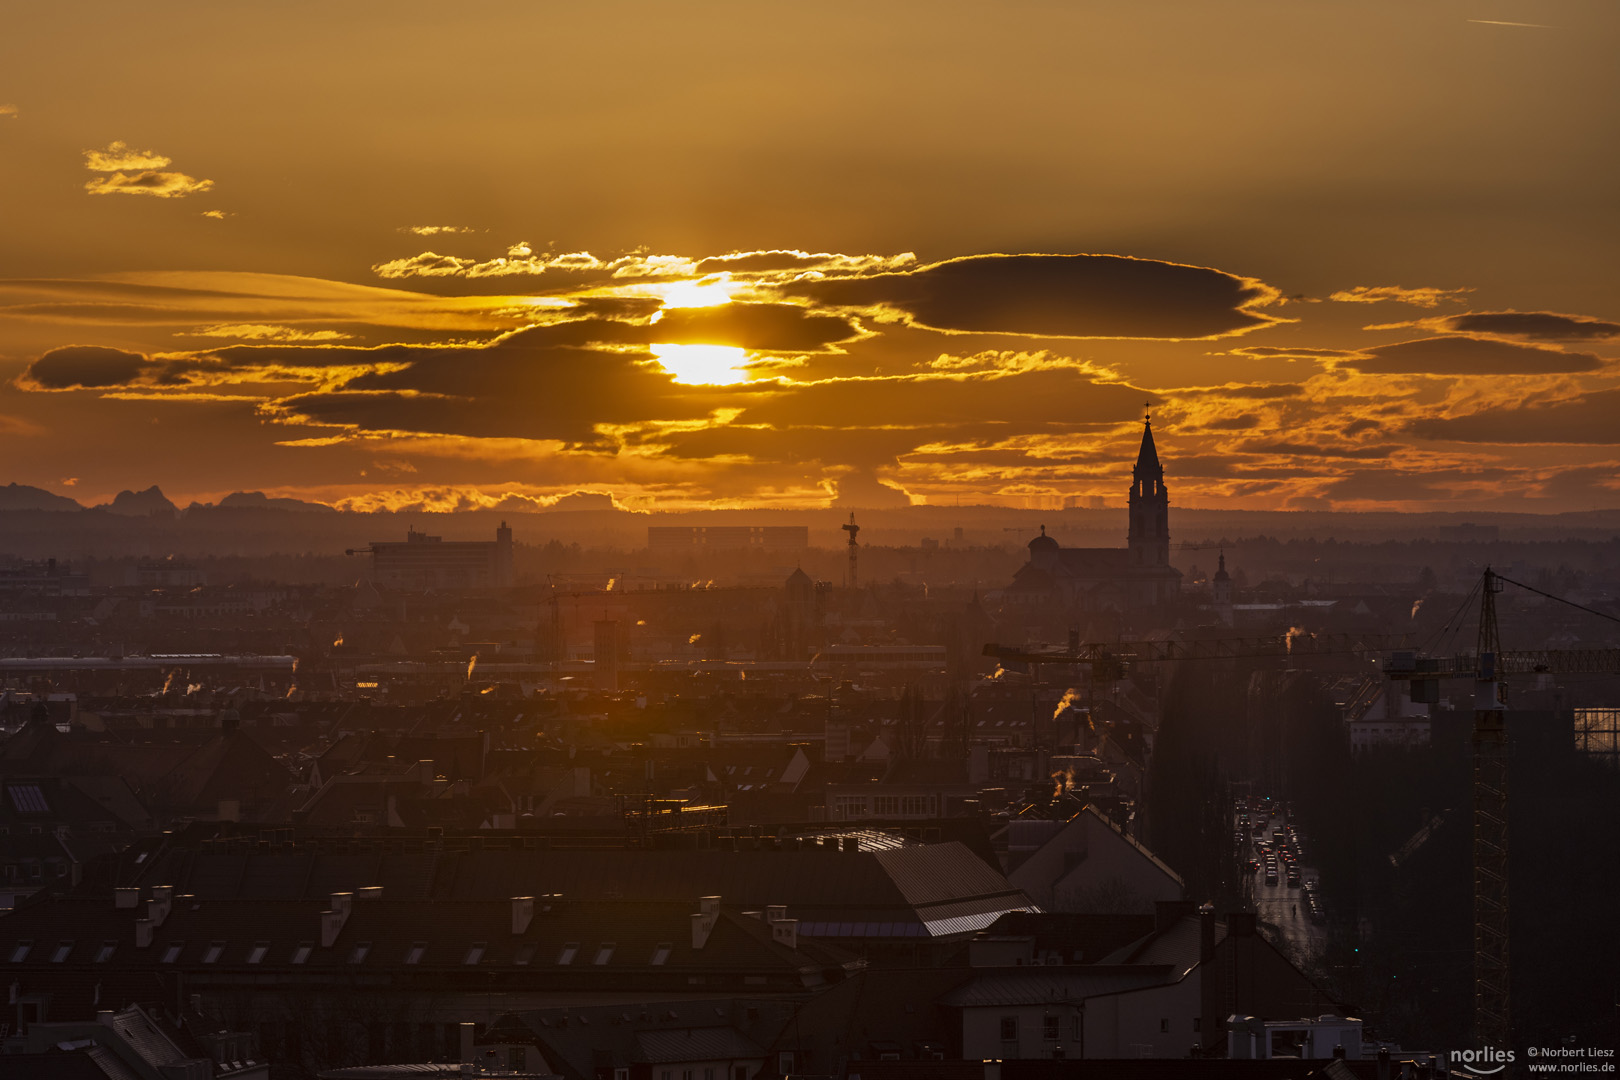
x=265 y=332
x=119 y=156
x=1527 y=325
x=1421 y=297
x=435 y=230
x=1267 y=352
x=8 y=112
x=75 y=367
x=1502 y=22
x=802 y=262
x=1470 y=356
x=521 y=259
x=217 y=215
x=163 y=185
x=1588 y=419
x=1079 y=296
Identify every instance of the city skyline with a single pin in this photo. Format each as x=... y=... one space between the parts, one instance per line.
x=1351 y=258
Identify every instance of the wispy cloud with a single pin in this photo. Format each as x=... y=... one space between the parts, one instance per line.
x=1420 y=297
x=120 y=155
x=148 y=180
x=436 y=230
x=8 y=112
x=264 y=332
x=1501 y=22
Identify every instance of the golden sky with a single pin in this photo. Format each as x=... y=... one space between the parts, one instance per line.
x=1355 y=255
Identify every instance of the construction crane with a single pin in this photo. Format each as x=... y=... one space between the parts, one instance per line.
x=1490 y=667
x=853 y=529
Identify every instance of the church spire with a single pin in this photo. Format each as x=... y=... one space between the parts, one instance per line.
x=1147 y=459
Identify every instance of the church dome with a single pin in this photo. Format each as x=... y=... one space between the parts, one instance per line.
x=1042 y=543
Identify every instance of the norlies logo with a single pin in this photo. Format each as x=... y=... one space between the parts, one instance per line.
x=1486 y=1062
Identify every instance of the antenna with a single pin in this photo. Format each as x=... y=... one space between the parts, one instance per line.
x=852 y=529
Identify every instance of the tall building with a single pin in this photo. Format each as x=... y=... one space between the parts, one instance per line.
x=428 y=562
x=1133 y=578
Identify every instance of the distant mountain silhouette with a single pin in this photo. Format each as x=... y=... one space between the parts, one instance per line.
x=16 y=496
x=140 y=503
x=258 y=500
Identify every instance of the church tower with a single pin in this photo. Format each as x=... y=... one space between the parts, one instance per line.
x=1150 y=507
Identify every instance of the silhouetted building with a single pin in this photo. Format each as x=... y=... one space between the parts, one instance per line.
x=429 y=562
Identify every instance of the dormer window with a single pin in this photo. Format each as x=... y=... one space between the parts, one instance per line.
x=475 y=954
x=172 y=953
x=301 y=951
x=523 y=955
x=257 y=953
x=212 y=953
x=569 y=951
x=105 y=953
x=358 y=954
x=604 y=953
x=415 y=953
x=20 y=953
x=63 y=950
x=660 y=955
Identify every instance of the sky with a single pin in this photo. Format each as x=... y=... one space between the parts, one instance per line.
x=1347 y=255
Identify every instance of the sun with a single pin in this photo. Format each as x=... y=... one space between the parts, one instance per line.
x=703 y=292
x=703 y=365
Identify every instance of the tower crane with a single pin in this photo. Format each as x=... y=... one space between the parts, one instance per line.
x=1490 y=667
x=853 y=530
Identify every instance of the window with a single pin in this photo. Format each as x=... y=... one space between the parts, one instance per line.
x=1164 y=1025
x=660 y=955
x=915 y=804
x=784 y=1062
x=569 y=951
x=301 y=951
x=414 y=954
x=1009 y=1029
x=211 y=954
x=1198 y=1023
x=172 y=953
x=604 y=953
x=475 y=954
x=105 y=953
x=256 y=954
x=523 y=955
x=357 y=955
x=63 y=950
x=1049 y=1027
x=885 y=804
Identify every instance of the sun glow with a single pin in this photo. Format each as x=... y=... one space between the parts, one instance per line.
x=707 y=365
x=704 y=292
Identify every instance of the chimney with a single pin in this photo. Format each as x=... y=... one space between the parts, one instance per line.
x=775 y=913
x=709 y=905
x=126 y=898
x=703 y=926
x=143 y=933
x=469 y=1032
x=331 y=924
x=343 y=902
x=522 y=913
x=162 y=902
x=1383 y=1063
x=370 y=892
x=785 y=932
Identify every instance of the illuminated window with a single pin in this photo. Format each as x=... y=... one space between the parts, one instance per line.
x=417 y=950
x=211 y=954
x=256 y=954
x=63 y=949
x=301 y=951
x=660 y=955
x=604 y=953
x=172 y=953
x=475 y=954
x=569 y=951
